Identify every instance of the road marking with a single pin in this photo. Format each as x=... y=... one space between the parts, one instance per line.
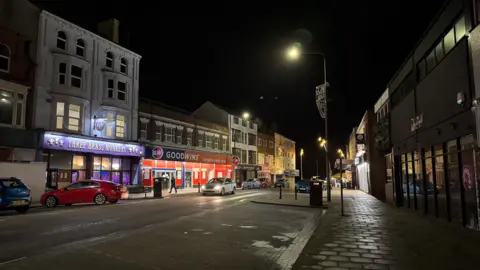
x=11 y=261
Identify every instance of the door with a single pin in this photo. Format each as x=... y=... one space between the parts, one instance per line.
x=188 y=179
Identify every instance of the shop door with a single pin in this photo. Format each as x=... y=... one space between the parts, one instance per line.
x=60 y=178
x=203 y=177
x=188 y=179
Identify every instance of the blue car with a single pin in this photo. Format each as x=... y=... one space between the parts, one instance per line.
x=303 y=186
x=14 y=195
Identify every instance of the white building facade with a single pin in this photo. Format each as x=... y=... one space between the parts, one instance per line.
x=243 y=135
x=86 y=97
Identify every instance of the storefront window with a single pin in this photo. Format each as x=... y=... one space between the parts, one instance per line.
x=79 y=162
x=116 y=164
x=440 y=175
x=62 y=161
x=409 y=187
x=112 y=169
x=453 y=182
x=97 y=161
x=430 y=183
x=106 y=164
x=418 y=188
x=469 y=184
x=389 y=167
x=404 y=181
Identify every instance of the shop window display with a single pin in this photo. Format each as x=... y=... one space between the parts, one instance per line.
x=470 y=187
x=430 y=190
x=112 y=169
x=454 y=182
x=440 y=178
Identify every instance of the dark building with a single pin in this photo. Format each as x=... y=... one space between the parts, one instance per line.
x=431 y=121
x=18 y=38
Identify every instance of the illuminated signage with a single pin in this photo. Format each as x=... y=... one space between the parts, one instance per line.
x=162 y=153
x=79 y=144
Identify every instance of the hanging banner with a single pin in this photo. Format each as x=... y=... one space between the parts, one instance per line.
x=321 y=100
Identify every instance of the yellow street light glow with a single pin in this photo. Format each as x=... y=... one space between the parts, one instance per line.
x=301 y=152
x=246 y=115
x=320 y=139
x=293 y=53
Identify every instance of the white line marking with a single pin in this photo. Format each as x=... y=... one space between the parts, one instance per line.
x=14 y=260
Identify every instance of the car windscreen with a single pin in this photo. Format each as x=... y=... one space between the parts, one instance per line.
x=216 y=181
x=303 y=183
x=12 y=182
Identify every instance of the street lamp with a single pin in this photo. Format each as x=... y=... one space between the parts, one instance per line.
x=342 y=156
x=246 y=115
x=294 y=53
x=301 y=163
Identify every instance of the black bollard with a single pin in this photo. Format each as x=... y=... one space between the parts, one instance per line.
x=280 y=192
x=296 y=191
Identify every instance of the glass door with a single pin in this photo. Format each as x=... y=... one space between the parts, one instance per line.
x=188 y=179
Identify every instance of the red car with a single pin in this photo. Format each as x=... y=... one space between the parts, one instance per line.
x=88 y=191
x=264 y=182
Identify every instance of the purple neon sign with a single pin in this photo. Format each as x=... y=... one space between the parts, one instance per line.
x=70 y=143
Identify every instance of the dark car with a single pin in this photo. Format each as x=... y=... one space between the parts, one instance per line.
x=14 y=194
x=303 y=186
x=282 y=183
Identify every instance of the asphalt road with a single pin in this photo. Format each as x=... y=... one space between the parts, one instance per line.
x=177 y=233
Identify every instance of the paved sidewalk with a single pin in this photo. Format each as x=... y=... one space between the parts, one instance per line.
x=375 y=235
x=288 y=199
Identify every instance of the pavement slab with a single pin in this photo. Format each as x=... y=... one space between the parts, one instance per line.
x=374 y=235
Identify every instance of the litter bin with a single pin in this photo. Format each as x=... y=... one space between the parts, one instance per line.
x=158 y=186
x=316 y=193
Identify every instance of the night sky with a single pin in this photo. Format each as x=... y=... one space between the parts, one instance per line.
x=232 y=54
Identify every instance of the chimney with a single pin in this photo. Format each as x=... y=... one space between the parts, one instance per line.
x=109 y=29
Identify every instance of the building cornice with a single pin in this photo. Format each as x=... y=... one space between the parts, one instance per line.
x=91 y=34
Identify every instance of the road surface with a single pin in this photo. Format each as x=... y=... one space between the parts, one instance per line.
x=188 y=232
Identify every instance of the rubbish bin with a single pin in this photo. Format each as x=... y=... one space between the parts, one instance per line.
x=316 y=193
x=157 y=187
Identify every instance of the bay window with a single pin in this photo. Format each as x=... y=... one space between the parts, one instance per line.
x=189 y=136
x=68 y=116
x=11 y=108
x=76 y=76
x=115 y=123
x=120 y=126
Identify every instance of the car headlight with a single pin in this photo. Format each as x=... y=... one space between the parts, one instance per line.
x=217 y=187
x=203 y=186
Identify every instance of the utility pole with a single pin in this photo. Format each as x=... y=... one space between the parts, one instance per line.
x=316 y=161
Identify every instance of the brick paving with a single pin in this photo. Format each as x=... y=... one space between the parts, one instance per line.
x=375 y=235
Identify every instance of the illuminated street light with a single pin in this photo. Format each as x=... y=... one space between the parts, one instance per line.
x=293 y=53
x=301 y=163
x=246 y=115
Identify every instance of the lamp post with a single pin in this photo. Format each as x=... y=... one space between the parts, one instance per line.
x=342 y=156
x=294 y=53
x=301 y=163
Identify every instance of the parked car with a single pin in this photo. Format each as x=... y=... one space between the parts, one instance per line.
x=14 y=194
x=219 y=186
x=303 y=186
x=282 y=183
x=251 y=183
x=265 y=182
x=87 y=191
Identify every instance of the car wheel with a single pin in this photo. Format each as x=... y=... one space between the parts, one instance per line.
x=204 y=194
x=51 y=201
x=99 y=199
x=233 y=190
x=113 y=201
x=222 y=192
x=22 y=209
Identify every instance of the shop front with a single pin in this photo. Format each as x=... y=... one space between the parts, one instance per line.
x=244 y=172
x=189 y=168
x=362 y=173
x=71 y=158
x=265 y=172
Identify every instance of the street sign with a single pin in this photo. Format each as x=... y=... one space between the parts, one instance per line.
x=157 y=152
x=235 y=160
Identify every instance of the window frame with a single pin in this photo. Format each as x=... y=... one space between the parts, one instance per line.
x=61 y=39
x=70 y=117
x=123 y=65
x=170 y=135
x=72 y=77
x=109 y=58
x=123 y=127
x=80 y=47
x=62 y=74
x=8 y=58
x=121 y=91
x=18 y=102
